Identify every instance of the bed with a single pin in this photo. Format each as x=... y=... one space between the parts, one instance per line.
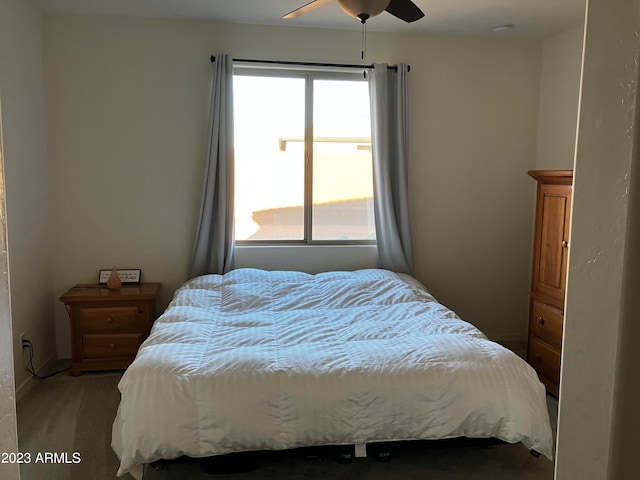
x=262 y=360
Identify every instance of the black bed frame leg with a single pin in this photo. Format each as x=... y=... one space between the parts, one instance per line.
x=345 y=456
x=535 y=453
x=159 y=464
x=382 y=456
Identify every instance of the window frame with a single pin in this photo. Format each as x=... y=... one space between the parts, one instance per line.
x=309 y=75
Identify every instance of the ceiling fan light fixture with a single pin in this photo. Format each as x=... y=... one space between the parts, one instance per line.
x=363 y=9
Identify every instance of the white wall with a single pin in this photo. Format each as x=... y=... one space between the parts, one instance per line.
x=27 y=181
x=559 y=92
x=306 y=258
x=626 y=418
x=8 y=424
x=127 y=103
x=473 y=139
x=597 y=361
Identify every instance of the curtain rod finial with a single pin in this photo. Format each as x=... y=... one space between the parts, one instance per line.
x=212 y=58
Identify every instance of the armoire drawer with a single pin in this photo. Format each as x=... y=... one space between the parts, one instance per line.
x=545 y=359
x=547 y=323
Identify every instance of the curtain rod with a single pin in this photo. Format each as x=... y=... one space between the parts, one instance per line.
x=306 y=64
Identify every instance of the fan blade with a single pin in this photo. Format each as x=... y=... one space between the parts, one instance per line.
x=405 y=10
x=307 y=8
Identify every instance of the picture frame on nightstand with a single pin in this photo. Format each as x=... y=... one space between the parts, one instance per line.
x=128 y=276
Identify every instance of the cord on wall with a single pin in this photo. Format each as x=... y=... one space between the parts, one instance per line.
x=26 y=344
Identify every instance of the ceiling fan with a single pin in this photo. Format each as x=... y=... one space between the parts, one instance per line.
x=363 y=10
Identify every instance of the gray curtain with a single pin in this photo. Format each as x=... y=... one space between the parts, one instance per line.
x=214 y=245
x=389 y=118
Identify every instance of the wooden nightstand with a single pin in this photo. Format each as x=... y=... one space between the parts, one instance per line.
x=107 y=326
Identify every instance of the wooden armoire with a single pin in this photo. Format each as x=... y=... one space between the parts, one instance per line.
x=549 y=274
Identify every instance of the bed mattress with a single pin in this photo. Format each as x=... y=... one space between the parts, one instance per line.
x=258 y=360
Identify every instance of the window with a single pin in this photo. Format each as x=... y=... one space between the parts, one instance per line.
x=303 y=167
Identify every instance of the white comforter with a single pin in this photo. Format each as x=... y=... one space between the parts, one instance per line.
x=257 y=360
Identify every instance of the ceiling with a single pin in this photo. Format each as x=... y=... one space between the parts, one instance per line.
x=531 y=18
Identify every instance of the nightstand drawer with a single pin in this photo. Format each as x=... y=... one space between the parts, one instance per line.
x=545 y=359
x=546 y=323
x=110 y=319
x=108 y=346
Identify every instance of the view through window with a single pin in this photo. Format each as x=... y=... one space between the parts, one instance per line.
x=289 y=190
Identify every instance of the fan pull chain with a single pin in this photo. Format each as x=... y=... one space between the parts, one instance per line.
x=363 y=52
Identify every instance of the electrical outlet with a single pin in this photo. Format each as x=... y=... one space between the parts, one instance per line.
x=23 y=337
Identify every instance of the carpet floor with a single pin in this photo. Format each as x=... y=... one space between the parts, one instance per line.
x=64 y=414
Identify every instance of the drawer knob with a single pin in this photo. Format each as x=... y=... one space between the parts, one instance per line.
x=541 y=320
x=109 y=319
x=112 y=346
x=565 y=244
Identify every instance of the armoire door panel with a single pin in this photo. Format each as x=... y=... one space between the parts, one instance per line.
x=552 y=244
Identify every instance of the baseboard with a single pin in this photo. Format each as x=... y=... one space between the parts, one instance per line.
x=28 y=384
x=508 y=338
x=516 y=344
